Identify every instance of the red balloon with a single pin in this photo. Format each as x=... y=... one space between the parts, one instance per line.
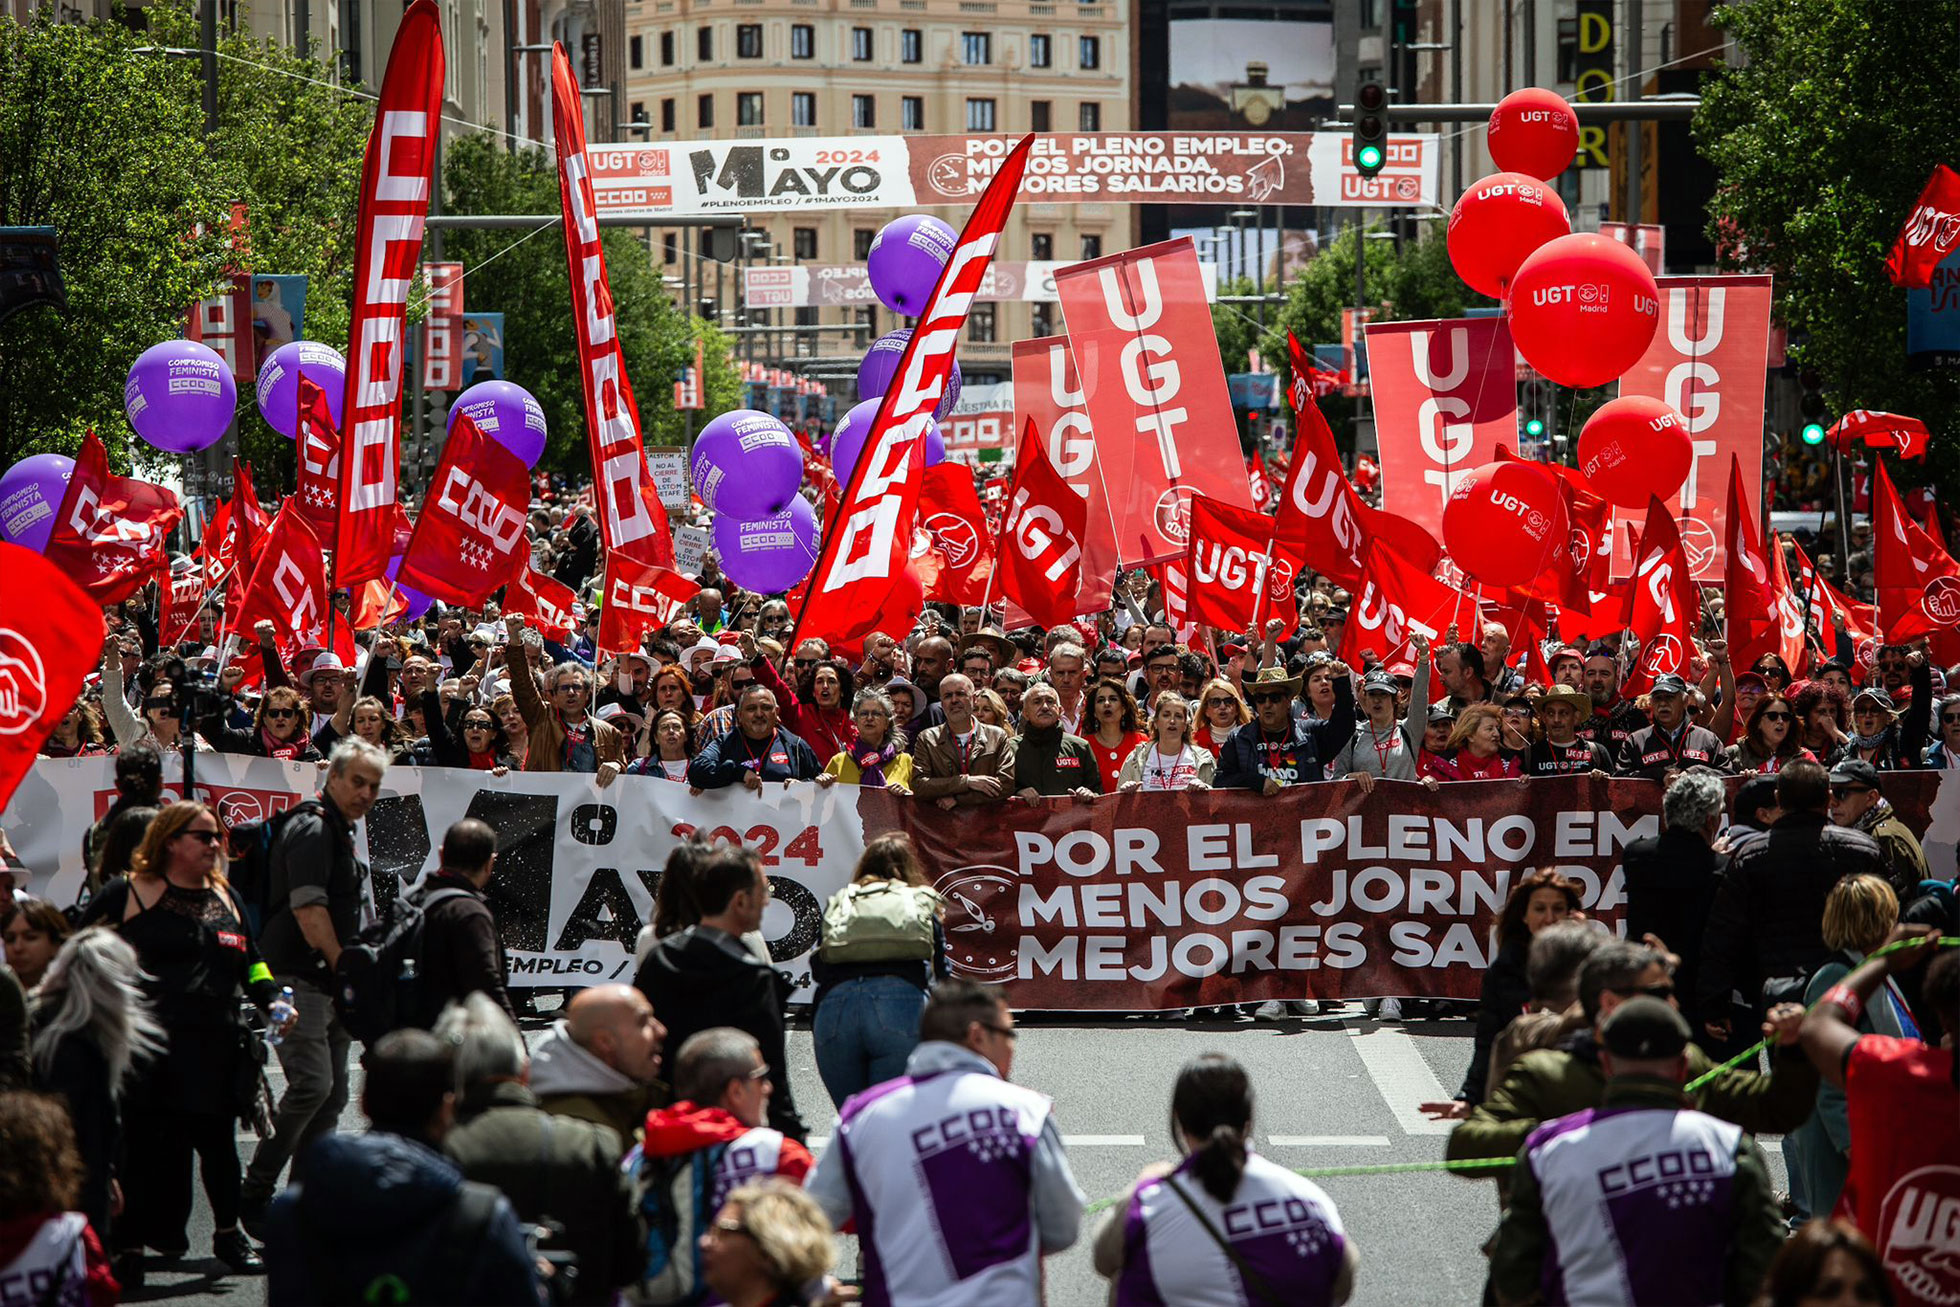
x=1504 y=521
x=1497 y=223
x=1583 y=309
x=1535 y=132
x=1634 y=449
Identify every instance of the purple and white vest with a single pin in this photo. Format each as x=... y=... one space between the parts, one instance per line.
x=940 y=1169
x=55 y=1255
x=1639 y=1205
x=1281 y=1225
x=752 y=1156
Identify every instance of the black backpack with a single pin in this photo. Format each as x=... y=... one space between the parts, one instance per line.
x=250 y=871
x=378 y=981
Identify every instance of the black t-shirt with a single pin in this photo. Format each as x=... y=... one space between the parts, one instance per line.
x=1548 y=759
x=313 y=864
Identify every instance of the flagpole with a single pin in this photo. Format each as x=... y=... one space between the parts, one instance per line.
x=204 y=603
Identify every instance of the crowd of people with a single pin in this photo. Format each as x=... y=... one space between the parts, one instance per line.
x=650 y=1143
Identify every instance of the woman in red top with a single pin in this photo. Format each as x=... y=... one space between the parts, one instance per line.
x=1116 y=735
x=817 y=707
x=1220 y=712
x=1476 y=748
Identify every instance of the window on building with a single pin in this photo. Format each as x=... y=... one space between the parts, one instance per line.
x=670 y=248
x=1089 y=52
x=748 y=108
x=980 y=324
x=704 y=111
x=1042 y=320
x=977 y=48
x=861 y=44
x=861 y=244
x=803 y=242
x=802 y=41
x=666 y=49
x=1041 y=246
x=803 y=109
x=1039 y=116
x=667 y=115
x=748 y=41
x=1041 y=51
x=1089 y=117
x=636 y=51
x=864 y=111
x=980 y=115
x=911 y=46
x=704 y=44
x=867 y=327
x=639 y=113
x=912 y=113
x=806 y=315
x=1092 y=247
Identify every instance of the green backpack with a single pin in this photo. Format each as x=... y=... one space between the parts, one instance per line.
x=879 y=921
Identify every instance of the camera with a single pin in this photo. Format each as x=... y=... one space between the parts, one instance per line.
x=557 y=1267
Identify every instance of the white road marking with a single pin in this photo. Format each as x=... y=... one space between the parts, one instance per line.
x=1402 y=1075
x=1103 y=1141
x=1327 y=1141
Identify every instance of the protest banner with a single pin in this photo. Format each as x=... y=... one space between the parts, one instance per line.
x=1444 y=398
x=848 y=285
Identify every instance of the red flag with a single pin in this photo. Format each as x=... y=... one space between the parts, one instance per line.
x=401 y=153
x=1662 y=603
x=183 y=595
x=289 y=585
x=1761 y=615
x=1048 y=389
x=1259 y=483
x=1571 y=571
x=1829 y=606
x=1238 y=579
x=214 y=551
x=632 y=520
x=1918 y=582
x=640 y=597
x=1930 y=233
x=470 y=537
x=1904 y=436
x=545 y=601
x=1174 y=584
x=110 y=533
x=1041 y=545
x=1445 y=394
x=50 y=640
x=869 y=538
x=375 y=605
x=316 y=450
x=1396 y=599
x=951 y=518
x=1320 y=518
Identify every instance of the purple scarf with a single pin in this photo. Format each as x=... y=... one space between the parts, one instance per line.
x=871 y=762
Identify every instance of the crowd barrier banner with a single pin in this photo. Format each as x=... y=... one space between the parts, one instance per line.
x=1127 y=902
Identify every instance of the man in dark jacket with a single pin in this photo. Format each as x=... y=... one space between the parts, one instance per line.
x=1671 y=877
x=580 y=543
x=1858 y=804
x=383 y=1216
x=461 y=953
x=704 y=976
x=552 y=1168
x=757 y=750
x=1672 y=743
x=1768 y=918
x=1273 y=750
x=1048 y=761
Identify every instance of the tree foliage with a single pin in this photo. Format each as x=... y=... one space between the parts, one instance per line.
x=1822 y=139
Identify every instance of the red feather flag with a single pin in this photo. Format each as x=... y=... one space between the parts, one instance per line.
x=50 y=640
x=470 y=537
x=1040 y=554
x=1663 y=604
x=111 y=531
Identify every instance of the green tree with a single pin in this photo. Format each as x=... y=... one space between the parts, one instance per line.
x=523 y=275
x=1821 y=139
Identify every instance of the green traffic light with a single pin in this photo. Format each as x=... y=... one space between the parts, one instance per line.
x=1368 y=157
x=1813 y=433
x=1534 y=427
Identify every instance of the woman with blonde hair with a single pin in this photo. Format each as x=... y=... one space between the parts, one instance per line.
x=517 y=732
x=1168 y=760
x=1221 y=710
x=1475 y=751
x=990 y=709
x=1858 y=915
x=189 y=932
x=769 y=1246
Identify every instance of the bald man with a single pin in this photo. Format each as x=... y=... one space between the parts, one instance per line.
x=599 y=1060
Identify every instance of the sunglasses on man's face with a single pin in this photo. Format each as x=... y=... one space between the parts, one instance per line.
x=1662 y=991
x=1946 y=717
x=1280 y=697
x=807 y=662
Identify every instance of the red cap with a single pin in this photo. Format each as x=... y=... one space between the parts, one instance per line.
x=1028 y=665
x=1564 y=651
x=729 y=638
x=1231 y=651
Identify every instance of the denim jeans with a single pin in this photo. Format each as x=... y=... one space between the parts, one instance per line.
x=314 y=1056
x=865 y=1029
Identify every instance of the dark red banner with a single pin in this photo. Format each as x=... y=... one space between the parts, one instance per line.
x=545 y=601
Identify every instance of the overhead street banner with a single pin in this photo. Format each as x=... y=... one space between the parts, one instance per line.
x=821 y=285
x=1126 y=902
x=695 y=178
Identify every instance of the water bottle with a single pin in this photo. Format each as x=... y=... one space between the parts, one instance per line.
x=281 y=1011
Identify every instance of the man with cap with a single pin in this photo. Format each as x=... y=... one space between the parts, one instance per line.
x=1560 y=752
x=628 y=687
x=1382 y=748
x=326 y=684
x=1857 y=803
x=1568 y=667
x=1642 y=1199
x=1275 y=749
x=1613 y=718
x=1673 y=742
x=1878 y=736
x=991 y=642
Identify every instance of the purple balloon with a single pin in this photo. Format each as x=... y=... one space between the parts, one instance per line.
x=768 y=554
x=180 y=396
x=418 y=603
x=847 y=441
x=747 y=464
x=906 y=259
x=880 y=365
x=508 y=414
x=279 y=383
x=30 y=496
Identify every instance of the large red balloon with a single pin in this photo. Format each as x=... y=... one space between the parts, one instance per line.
x=1583 y=309
x=1635 y=448
x=1504 y=521
x=1535 y=132
x=1497 y=223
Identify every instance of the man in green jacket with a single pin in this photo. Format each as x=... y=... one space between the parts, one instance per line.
x=1557 y=1082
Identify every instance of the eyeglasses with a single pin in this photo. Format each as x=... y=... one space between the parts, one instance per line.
x=1845 y=791
x=1218 y=703
x=1006 y=1032
x=1663 y=991
x=575 y=687
x=1271 y=697
x=807 y=662
x=282 y=712
x=729 y=1225
x=479 y=724
x=203 y=836
x=1950 y=717
x=1776 y=717
x=172 y=703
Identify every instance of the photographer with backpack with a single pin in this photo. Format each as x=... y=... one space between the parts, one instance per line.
x=312 y=896
x=883 y=946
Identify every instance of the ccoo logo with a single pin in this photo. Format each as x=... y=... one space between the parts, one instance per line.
x=23 y=684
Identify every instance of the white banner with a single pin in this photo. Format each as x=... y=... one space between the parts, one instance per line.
x=576 y=865
x=816 y=285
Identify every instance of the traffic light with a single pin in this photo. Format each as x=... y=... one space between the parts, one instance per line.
x=1370 y=128
x=1534 y=427
x=1811 y=406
